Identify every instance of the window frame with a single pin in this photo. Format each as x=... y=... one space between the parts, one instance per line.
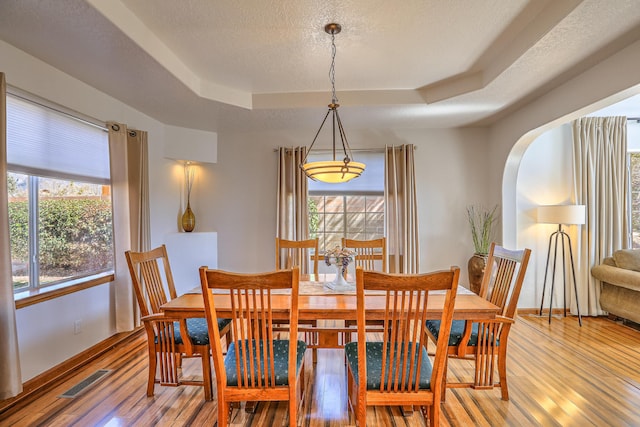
x=35 y=292
x=344 y=213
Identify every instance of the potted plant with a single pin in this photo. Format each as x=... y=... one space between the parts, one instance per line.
x=481 y=221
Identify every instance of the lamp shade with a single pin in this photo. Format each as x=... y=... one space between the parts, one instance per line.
x=561 y=214
x=333 y=171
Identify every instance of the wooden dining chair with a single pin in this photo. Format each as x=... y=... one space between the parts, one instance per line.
x=368 y=252
x=151 y=276
x=290 y=253
x=397 y=370
x=257 y=366
x=486 y=341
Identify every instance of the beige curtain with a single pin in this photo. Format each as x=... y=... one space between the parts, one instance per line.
x=130 y=197
x=292 y=215
x=601 y=184
x=10 y=375
x=401 y=212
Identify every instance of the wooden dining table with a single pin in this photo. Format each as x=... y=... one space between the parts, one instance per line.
x=317 y=302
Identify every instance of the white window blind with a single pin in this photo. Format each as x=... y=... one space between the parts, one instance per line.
x=370 y=182
x=43 y=142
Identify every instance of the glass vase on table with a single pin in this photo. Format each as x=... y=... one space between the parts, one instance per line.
x=340 y=258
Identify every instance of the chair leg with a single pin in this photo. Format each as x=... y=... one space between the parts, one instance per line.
x=434 y=414
x=361 y=412
x=223 y=412
x=444 y=379
x=206 y=375
x=153 y=361
x=302 y=385
x=293 y=405
x=502 y=372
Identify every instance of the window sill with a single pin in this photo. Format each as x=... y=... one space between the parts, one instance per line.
x=35 y=296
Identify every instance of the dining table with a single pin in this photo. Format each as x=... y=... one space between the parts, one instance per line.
x=317 y=301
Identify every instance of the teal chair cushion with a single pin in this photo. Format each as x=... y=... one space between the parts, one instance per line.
x=197 y=327
x=374 y=364
x=457 y=330
x=280 y=360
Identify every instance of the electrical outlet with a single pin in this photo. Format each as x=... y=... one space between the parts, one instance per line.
x=77 y=327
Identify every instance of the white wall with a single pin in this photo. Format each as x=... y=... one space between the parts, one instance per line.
x=45 y=330
x=607 y=82
x=545 y=177
x=240 y=198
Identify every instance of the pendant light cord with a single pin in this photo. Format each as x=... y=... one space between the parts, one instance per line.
x=332 y=69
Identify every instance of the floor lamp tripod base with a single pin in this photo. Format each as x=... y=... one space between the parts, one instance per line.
x=554 y=237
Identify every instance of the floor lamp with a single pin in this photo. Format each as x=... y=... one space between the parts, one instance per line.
x=560 y=214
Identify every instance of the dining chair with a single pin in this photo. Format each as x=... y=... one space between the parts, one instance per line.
x=151 y=276
x=368 y=252
x=257 y=366
x=486 y=341
x=397 y=369
x=290 y=253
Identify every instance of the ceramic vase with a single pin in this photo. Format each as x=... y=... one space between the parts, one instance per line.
x=476 y=266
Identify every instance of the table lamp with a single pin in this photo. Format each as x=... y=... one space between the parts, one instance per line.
x=560 y=214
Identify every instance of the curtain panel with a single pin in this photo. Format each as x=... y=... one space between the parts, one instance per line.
x=10 y=374
x=128 y=153
x=292 y=213
x=601 y=183
x=401 y=211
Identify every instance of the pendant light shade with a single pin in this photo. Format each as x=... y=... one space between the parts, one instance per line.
x=334 y=170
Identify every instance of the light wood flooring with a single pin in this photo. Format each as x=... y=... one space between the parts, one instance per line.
x=560 y=375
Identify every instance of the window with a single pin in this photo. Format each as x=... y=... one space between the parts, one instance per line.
x=59 y=196
x=354 y=210
x=333 y=217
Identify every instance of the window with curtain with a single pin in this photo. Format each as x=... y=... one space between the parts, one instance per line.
x=60 y=215
x=354 y=209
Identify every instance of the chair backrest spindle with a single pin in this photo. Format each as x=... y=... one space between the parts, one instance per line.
x=252 y=320
x=405 y=316
x=368 y=252
x=291 y=253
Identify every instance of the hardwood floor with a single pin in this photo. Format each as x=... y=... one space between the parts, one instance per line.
x=559 y=375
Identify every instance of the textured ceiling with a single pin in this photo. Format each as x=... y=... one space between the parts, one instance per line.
x=233 y=65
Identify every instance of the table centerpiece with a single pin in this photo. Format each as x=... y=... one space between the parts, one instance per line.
x=340 y=258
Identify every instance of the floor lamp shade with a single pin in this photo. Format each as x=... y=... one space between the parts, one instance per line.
x=561 y=214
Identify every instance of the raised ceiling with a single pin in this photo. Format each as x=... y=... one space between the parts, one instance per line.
x=234 y=65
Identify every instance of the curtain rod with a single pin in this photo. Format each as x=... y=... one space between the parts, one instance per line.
x=355 y=150
x=35 y=99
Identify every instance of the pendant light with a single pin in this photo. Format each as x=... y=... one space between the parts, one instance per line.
x=333 y=171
